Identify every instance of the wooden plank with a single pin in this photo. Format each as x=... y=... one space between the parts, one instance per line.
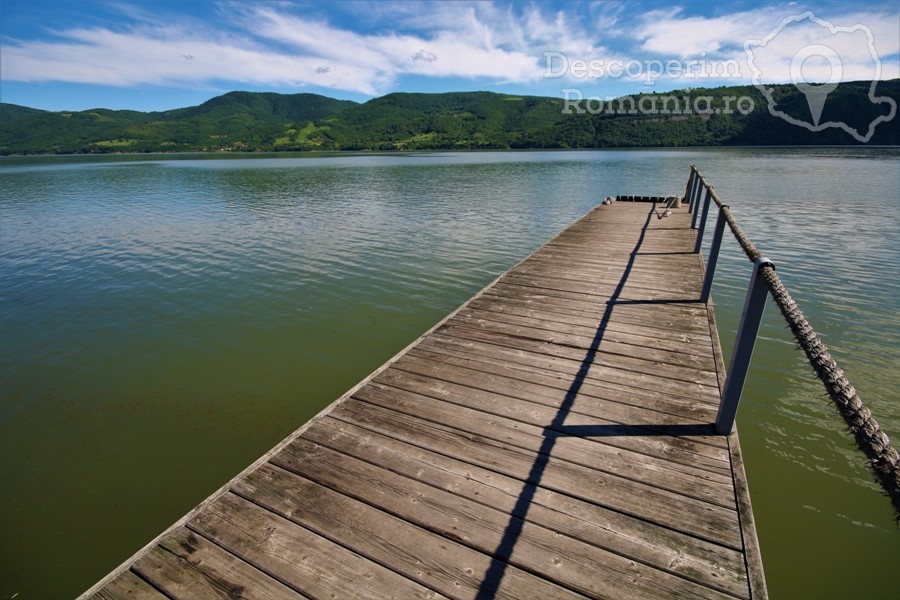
x=128 y=586
x=568 y=562
x=653 y=387
x=608 y=343
x=508 y=288
x=677 y=342
x=683 y=450
x=634 y=275
x=551 y=438
x=446 y=565
x=570 y=375
x=187 y=566
x=298 y=557
x=658 y=321
x=752 y=554
x=628 y=292
x=627 y=364
x=635 y=539
x=624 y=248
x=567 y=251
x=637 y=277
x=609 y=239
x=583 y=446
x=585 y=397
x=606 y=245
x=670 y=325
x=703 y=520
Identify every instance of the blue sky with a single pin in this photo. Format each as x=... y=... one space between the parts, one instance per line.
x=157 y=55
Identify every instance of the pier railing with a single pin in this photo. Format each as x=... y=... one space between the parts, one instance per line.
x=875 y=444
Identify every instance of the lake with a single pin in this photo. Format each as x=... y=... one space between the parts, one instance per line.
x=164 y=320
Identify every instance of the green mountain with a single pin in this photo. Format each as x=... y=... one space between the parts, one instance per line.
x=234 y=121
x=446 y=121
x=248 y=121
x=9 y=112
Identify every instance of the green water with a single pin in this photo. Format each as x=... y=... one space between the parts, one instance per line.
x=165 y=320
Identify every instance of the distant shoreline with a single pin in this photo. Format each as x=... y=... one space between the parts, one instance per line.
x=253 y=122
x=265 y=122
x=336 y=153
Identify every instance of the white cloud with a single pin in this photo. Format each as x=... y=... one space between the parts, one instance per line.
x=387 y=56
x=269 y=45
x=150 y=55
x=424 y=55
x=671 y=34
x=274 y=47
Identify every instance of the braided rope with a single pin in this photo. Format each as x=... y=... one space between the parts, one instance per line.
x=883 y=458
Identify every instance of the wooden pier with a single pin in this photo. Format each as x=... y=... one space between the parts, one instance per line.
x=552 y=438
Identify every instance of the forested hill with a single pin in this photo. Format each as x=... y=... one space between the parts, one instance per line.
x=249 y=121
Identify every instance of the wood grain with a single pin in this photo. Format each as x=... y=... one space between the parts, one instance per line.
x=551 y=438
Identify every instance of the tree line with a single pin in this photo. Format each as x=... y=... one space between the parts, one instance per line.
x=250 y=121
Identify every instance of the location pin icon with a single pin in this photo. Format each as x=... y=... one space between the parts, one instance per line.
x=816 y=94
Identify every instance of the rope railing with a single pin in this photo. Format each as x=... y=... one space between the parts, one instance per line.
x=883 y=458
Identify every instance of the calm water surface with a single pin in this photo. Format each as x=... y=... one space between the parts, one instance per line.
x=165 y=320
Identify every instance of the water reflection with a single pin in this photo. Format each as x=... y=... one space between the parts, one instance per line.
x=192 y=311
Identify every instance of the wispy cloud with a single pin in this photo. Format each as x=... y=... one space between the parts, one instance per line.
x=377 y=60
x=671 y=33
x=266 y=45
x=278 y=44
x=148 y=55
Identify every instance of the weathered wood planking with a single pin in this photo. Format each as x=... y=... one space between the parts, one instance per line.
x=551 y=438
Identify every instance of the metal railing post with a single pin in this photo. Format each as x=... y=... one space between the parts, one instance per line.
x=695 y=212
x=701 y=227
x=743 y=348
x=883 y=458
x=689 y=188
x=695 y=193
x=718 y=234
